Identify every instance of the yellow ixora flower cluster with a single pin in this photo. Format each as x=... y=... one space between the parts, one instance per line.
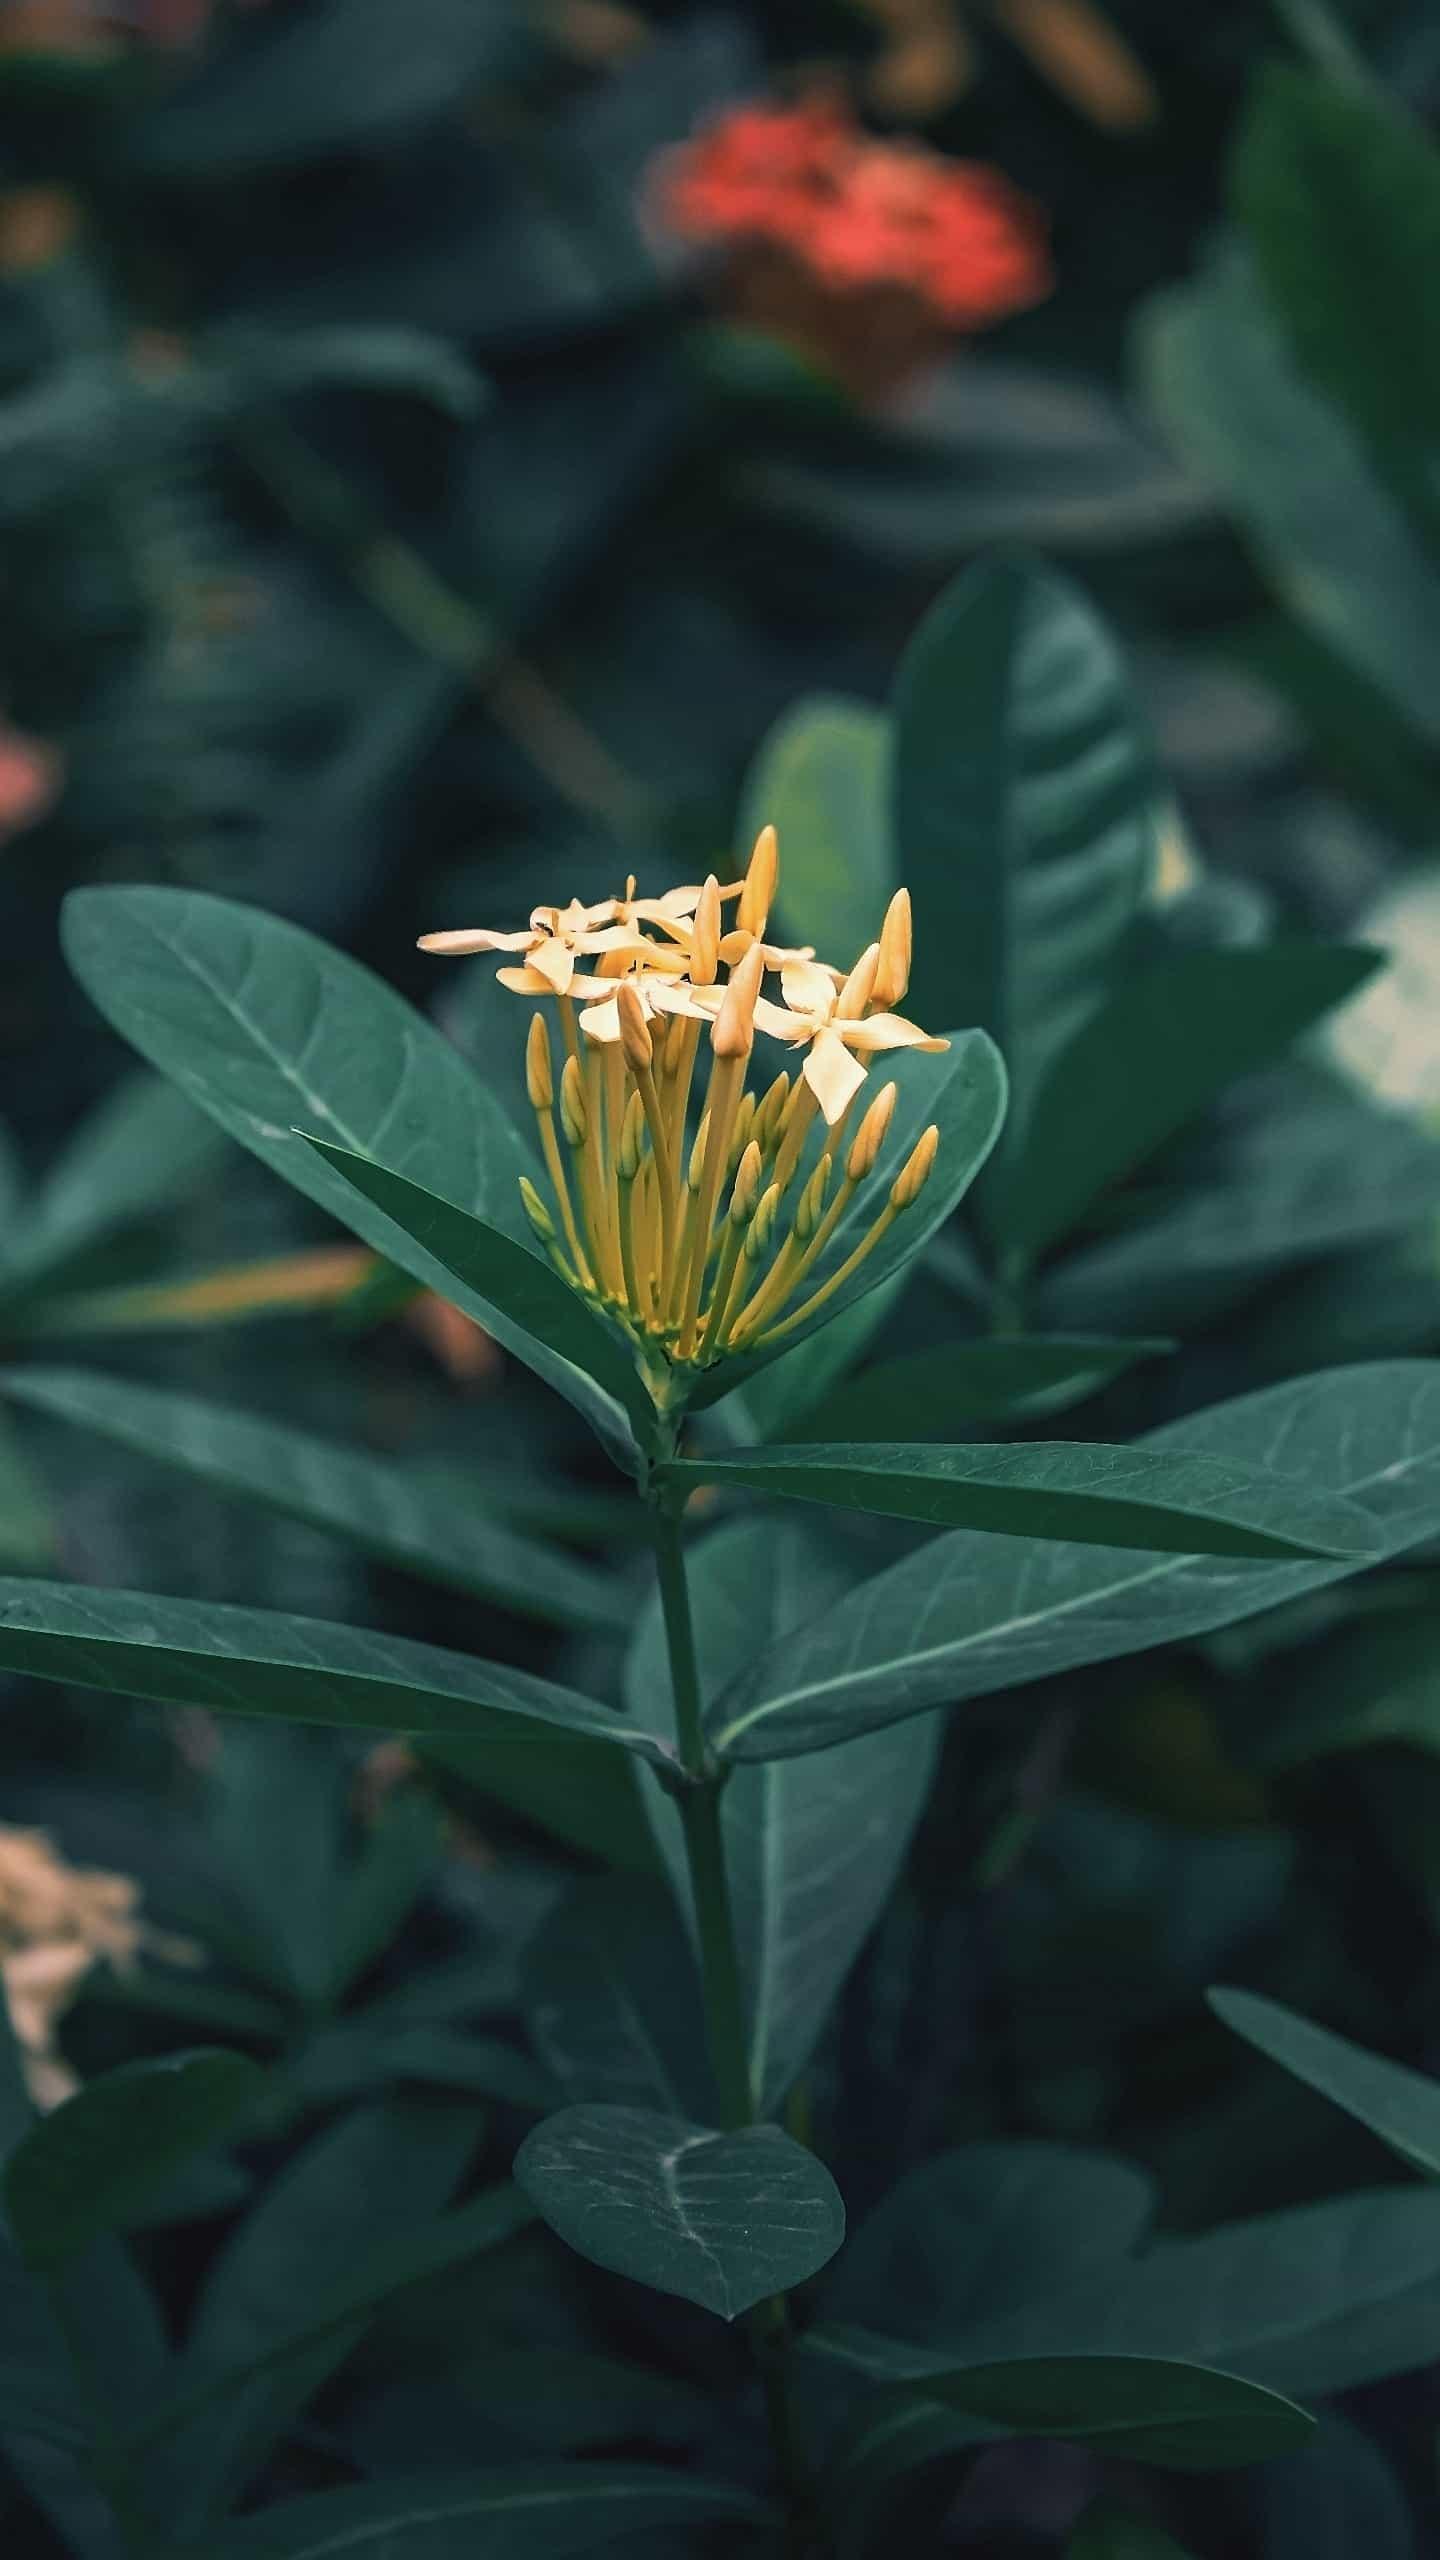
x=686 y=1240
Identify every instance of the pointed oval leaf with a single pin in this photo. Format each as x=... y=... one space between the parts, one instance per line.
x=1187 y=2417
x=527 y=2511
x=260 y=1662
x=379 y=1506
x=266 y=1029
x=821 y=778
x=1402 y=2107
x=1314 y=2299
x=1089 y=1492
x=1171 y=1037
x=612 y=1999
x=105 y=2154
x=970 y=1614
x=720 y=2218
x=986 y=2226
x=484 y=1263
x=1025 y=806
x=930 y=1394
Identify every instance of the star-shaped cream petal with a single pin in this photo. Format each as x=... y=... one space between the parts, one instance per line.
x=810 y=1019
x=657 y=992
x=549 y=946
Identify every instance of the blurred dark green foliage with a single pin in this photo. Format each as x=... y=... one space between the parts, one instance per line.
x=393 y=532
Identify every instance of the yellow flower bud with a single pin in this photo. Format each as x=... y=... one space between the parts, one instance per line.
x=870 y=1136
x=635 y=1037
x=705 y=947
x=859 y=987
x=915 y=1172
x=769 y=1108
x=632 y=1139
x=574 y=1105
x=743 y=1131
x=734 y=1032
x=745 y=1196
x=812 y=1200
x=695 y=1171
x=539 y=1083
x=758 y=893
x=536 y=1211
x=892 y=978
x=762 y=1225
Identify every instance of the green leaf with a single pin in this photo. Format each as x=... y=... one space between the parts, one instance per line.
x=1402 y=2107
x=367 y=2186
x=1337 y=547
x=1091 y=1492
x=1168 y=1039
x=612 y=2000
x=489 y=1266
x=1108 y=2532
x=140 y=1153
x=29 y=1538
x=581 y=1791
x=970 y=1614
x=722 y=2219
x=1372 y=1683
x=821 y=778
x=106 y=2153
x=527 y=2511
x=378 y=1506
x=1024 y=809
x=399 y=1861
x=963 y=1094
x=258 y=1662
x=1186 y=2417
x=926 y=1395
x=1314 y=1172
x=795 y=1381
x=812 y=1854
x=1339 y=195
x=1343 y=2498
x=1312 y=2300
x=269 y=1030
x=400 y=2261
x=986 y=2227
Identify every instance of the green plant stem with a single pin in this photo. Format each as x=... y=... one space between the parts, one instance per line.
x=699 y=1802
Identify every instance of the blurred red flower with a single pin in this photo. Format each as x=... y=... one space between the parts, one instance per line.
x=31 y=775
x=858 y=213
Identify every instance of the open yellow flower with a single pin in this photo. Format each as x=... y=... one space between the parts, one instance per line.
x=549 y=946
x=816 y=1017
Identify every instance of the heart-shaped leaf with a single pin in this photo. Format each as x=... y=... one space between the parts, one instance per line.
x=258 y=1662
x=1086 y=1492
x=1401 y=2106
x=970 y=1614
x=105 y=2154
x=376 y=1505
x=723 y=2219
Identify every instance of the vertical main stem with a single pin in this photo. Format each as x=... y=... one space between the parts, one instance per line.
x=720 y=1974
x=704 y=1845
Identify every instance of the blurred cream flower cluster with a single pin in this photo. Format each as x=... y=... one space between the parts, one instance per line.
x=57 y=1923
